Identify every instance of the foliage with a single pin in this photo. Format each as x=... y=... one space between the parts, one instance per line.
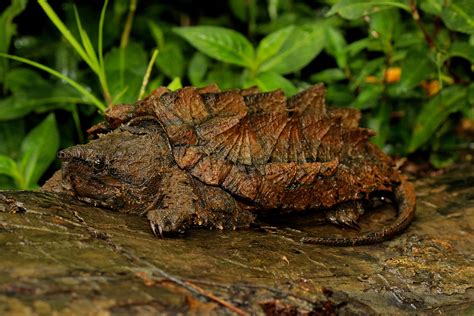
x=406 y=64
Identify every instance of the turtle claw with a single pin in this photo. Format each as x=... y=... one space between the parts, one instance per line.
x=154 y=227
x=346 y=215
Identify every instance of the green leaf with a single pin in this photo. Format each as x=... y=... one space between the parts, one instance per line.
x=271 y=44
x=339 y=95
x=443 y=160
x=368 y=97
x=461 y=49
x=239 y=9
x=356 y=47
x=8 y=166
x=434 y=7
x=382 y=26
x=38 y=150
x=335 y=46
x=8 y=29
x=220 y=43
x=416 y=67
x=458 y=15
x=269 y=81
x=91 y=99
x=125 y=68
x=354 y=9
x=434 y=113
x=379 y=122
x=171 y=61
x=328 y=76
x=468 y=110
x=157 y=34
x=175 y=84
x=30 y=93
x=11 y=134
x=67 y=33
x=292 y=48
x=198 y=68
x=224 y=77
x=367 y=68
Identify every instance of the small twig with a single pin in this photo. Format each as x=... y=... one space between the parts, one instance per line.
x=218 y=300
x=186 y=285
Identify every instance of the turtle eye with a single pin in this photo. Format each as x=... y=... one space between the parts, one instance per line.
x=98 y=164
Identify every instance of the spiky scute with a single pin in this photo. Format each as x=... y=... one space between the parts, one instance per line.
x=267 y=150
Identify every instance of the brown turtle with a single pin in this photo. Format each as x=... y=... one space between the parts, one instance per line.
x=202 y=157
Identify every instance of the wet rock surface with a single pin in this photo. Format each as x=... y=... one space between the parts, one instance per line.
x=60 y=255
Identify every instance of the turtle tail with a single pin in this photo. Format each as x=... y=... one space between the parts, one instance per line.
x=406 y=201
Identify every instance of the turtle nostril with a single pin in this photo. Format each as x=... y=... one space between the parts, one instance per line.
x=64 y=154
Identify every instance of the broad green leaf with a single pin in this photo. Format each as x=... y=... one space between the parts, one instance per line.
x=458 y=15
x=91 y=99
x=434 y=113
x=38 y=150
x=11 y=134
x=382 y=26
x=379 y=122
x=368 y=97
x=300 y=47
x=24 y=81
x=8 y=29
x=175 y=84
x=30 y=93
x=220 y=43
x=416 y=67
x=157 y=34
x=365 y=69
x=339 y=95
x=328 y=75
x=468 y=110
x=336 y=45
x=197 y=68
x=271 y=44
x=171 y=61
x=461 y=49
x=224 y=77
x=239 y=9
x=356 y=47
x=354 y=9
x=269 y=81
x=125 y=68
x=432 y=6
x=15 y=107
x=409 y=40
x=8 y=166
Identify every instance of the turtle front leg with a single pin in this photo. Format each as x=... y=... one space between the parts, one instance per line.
x=175 y=207
x=346 y=214
x=185 y=201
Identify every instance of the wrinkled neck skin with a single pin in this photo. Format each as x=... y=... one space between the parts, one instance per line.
x=120 y=171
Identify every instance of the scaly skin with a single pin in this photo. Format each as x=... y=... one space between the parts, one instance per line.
x=406 y=201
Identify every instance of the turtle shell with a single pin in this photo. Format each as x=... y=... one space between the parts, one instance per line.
x=270 y=151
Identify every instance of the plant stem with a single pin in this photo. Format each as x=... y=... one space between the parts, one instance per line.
x=416 y=16
x=147 y=73
x=100 y=53
x=74 y=84
x=128 y=24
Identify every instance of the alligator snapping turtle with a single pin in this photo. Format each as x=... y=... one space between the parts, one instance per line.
x=204 y=157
